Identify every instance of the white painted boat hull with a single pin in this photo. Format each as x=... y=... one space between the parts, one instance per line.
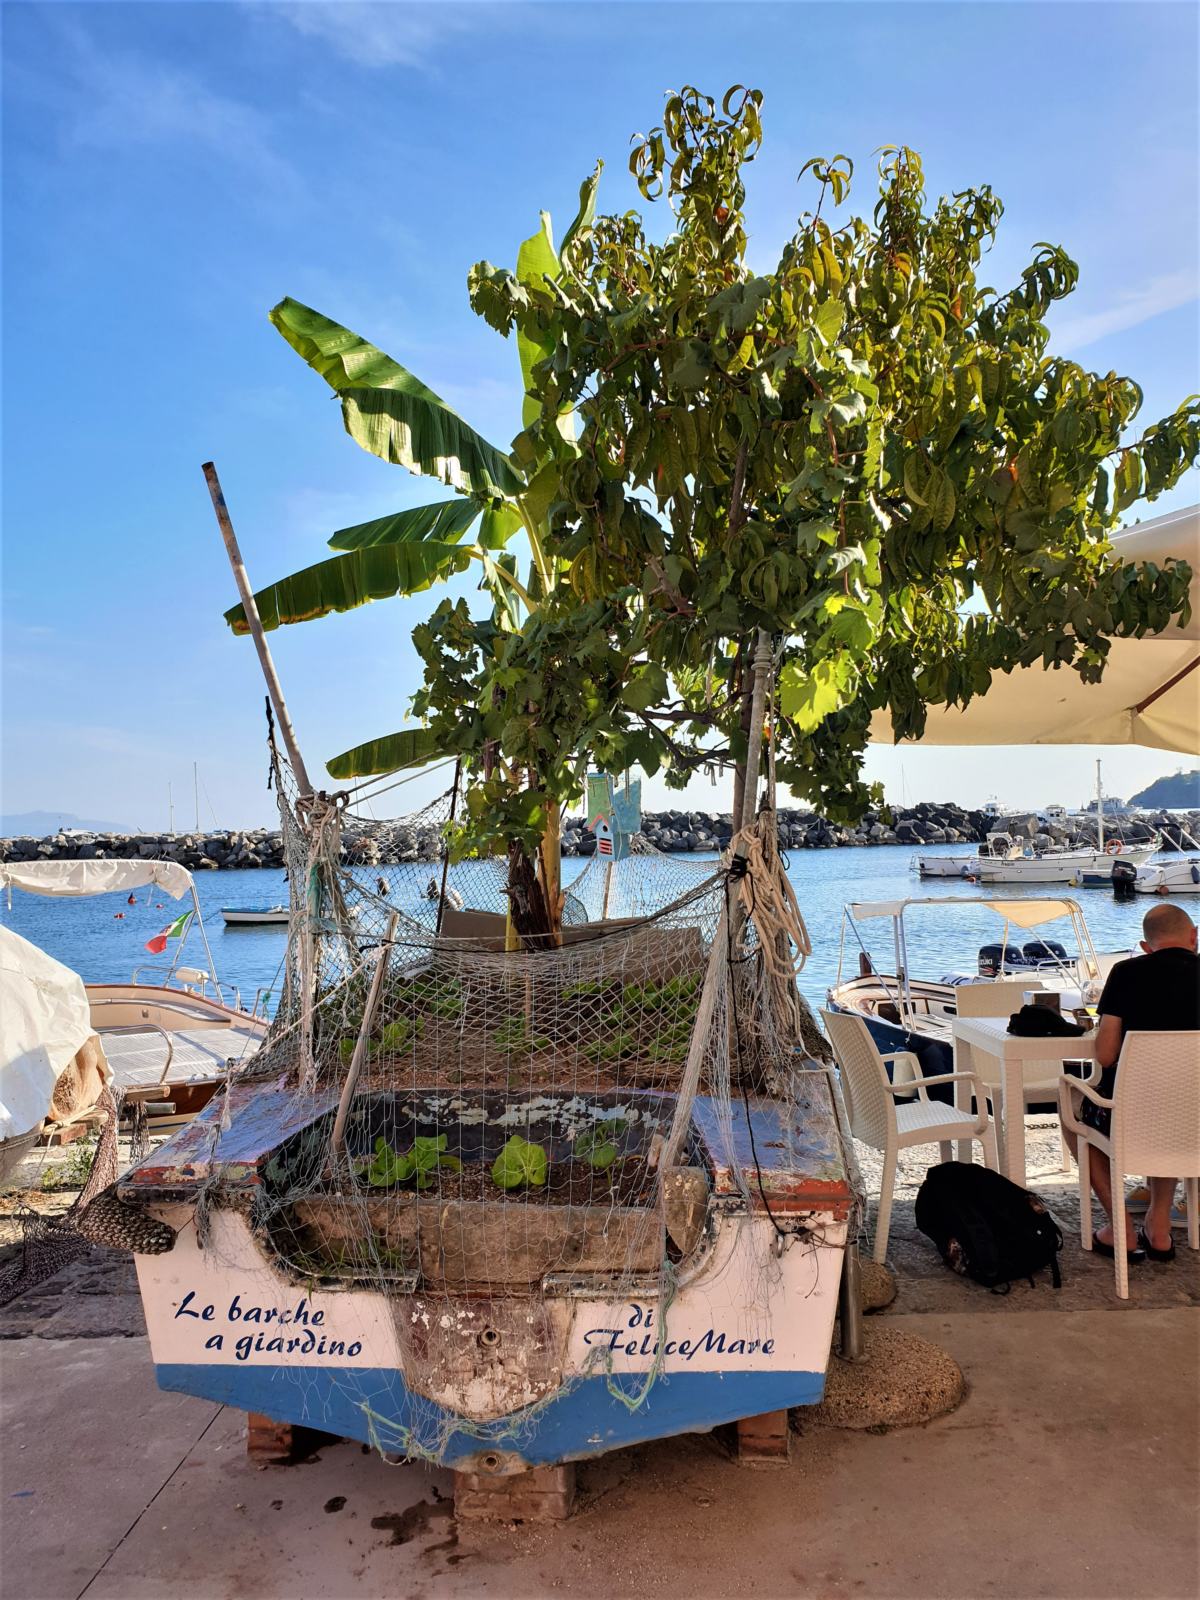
x=1169 y=878
x=747 y=1331
x=1065 y=868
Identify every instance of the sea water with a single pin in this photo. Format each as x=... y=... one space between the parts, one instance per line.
x=103 y=937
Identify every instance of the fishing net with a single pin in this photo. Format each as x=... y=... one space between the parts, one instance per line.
x=481 y=1133
x=49 y=1243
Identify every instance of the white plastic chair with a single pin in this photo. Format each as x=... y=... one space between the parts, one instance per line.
x=999 y=1000
x=1155 y=1129
x=878 y=1120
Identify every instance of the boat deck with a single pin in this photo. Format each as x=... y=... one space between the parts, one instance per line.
x=138 y=1056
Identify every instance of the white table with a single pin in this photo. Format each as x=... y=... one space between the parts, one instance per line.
x=984 y=1045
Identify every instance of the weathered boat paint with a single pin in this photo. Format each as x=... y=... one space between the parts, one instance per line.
x=504 y=1380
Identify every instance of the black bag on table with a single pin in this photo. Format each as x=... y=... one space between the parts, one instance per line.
x=1040 y=1022
x=987 y=1227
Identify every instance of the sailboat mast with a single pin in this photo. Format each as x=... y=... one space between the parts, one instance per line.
x=196 y=793
x=1099 y=807
x=170 y=808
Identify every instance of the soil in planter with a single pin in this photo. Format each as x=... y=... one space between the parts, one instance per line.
x=627 y=1182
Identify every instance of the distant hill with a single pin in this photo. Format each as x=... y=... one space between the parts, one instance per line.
x=38 y=824
x=1180 y=792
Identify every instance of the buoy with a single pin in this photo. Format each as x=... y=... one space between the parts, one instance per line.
x=119 y=916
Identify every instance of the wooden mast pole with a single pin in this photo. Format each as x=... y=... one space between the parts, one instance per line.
x=254 y=622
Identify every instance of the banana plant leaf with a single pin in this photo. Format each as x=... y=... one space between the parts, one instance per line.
x=447 y=520
x=537 y=259
x=348 y=581
x=390 y=412
x=412 y=747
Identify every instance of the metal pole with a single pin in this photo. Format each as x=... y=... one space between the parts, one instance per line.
x=254 y=622
x=850 y=1316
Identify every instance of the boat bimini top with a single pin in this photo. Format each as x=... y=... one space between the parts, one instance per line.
x=1021 y=913
x=79 y=879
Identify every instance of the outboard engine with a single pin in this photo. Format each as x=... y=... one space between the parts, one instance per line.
x=1124 y=875
x=1039 y=950
x=994 y=958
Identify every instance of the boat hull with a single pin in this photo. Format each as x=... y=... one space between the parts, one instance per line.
x=1169 y=878
x=748 y=1331
x=1058 y=869
x=946 y=866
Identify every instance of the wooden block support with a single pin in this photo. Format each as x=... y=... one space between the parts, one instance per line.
x=764 y=1440
x=540 y=1494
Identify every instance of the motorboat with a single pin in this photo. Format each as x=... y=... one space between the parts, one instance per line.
x=998 y=846
x=906 y=1012
x=1068 y=865
x=1062 y=866
x=1178 y=876
x=171 y=1033
x=255 y=916
x=1003 y=859
x=53 y=1069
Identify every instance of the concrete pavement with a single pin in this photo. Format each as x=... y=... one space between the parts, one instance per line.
x=1069 y=1471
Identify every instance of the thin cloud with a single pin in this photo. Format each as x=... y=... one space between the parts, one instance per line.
x=370 y=34
x=120 y=99
x=1129 y=310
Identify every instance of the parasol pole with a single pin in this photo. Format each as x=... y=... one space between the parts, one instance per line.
x=254 y=622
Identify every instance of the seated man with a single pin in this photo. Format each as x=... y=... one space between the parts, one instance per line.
x=1160 y=993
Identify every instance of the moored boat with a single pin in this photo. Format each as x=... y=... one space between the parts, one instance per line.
x=908 y=1012
x=172 y=1033
x=1178 y=875
x=255 y=916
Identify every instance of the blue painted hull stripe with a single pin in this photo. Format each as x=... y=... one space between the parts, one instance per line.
x=373 y=1404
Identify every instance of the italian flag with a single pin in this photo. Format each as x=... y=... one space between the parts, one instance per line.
x=176 y=930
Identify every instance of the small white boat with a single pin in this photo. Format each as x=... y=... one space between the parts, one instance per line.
x=170 y=1033
x=255 y=916
x=998 y=846
x=1062 y=866
x=1181 y=876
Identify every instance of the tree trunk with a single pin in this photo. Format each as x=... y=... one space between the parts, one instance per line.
x=528 y=907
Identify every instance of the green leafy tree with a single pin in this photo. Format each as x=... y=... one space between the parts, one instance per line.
x=865 y=452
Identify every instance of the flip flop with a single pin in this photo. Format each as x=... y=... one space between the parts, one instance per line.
x=1134 y=1257
x=1152 y=1253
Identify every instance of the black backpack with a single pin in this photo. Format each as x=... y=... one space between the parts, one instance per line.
x=987 y=1227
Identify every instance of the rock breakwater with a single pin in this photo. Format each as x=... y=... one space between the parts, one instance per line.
x=389 y=843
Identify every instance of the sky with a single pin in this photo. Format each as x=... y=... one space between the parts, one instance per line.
x=172 y=170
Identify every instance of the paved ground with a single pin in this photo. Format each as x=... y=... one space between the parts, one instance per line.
x=1071 y=1469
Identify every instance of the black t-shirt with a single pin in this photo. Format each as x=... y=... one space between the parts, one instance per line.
x=1156 y=993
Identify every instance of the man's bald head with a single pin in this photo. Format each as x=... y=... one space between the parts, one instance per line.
x=1165 y=925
